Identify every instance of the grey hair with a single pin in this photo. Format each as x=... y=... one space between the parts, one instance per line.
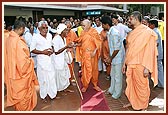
x=68 y=22
x=42 y=22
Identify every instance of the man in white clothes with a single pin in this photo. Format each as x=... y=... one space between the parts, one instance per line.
x=41 y=45
x=61 y=57
x=28 y=38
x=123 y=29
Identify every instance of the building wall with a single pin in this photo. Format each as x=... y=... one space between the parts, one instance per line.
x=27 y=12
x=59 y=12
x=155 y=10
x=17 y=12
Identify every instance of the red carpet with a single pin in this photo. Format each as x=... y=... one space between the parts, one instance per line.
x=93 y=100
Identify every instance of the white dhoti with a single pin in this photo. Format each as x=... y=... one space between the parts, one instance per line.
x=62 y=77
x=46 y=78
x=62 y=72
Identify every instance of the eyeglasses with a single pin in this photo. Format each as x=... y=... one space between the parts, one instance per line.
x=44 y=27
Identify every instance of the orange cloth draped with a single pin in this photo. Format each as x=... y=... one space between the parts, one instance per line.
x=141 y=52
x=78 y=54
x=21 y=79
x=71 y=36
x=105 y=49
x=6 y=34
x=78 y=51
x=90 y=41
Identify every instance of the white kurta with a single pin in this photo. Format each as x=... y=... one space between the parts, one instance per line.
x=123 y=30
x=61 y=67
x=45 y=69
x=28 y=38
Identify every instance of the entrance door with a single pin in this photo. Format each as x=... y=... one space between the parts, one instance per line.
x=37 y=15
x=9 y=20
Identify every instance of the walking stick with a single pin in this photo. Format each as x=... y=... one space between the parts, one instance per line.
x=76 y=80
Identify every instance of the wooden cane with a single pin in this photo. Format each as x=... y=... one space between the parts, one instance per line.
x=76 y=80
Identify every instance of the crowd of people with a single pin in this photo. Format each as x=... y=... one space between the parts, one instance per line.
x=43 y=54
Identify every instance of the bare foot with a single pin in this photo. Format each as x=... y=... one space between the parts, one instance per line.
x=97 y=88
x=83 y=89
x=57 y=97
x=44 y=100
x=73 y=83
x=144 y=109
x=107 y=93
x=127 y=105
x=64 y=94
x=68 y=90
x=72 y=80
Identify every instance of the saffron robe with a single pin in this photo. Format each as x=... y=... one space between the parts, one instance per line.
x=21 y=78
x=105 y=52
x=90 y=40
x=141 y=52
x=71 y=36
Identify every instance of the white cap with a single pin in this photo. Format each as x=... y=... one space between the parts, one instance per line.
x=60 y=28
x=53 y=30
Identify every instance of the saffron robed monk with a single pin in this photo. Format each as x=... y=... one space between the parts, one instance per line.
x=20 y=76
x=90 y=51
x=70 y=37
x=141 y=61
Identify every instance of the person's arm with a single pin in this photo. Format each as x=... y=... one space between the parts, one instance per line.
x=45 y=52
x=94 y=53
x=114 y=54
x=116 y=46
x=61 y=50
x=109 y=60
x=146 y=72
x=35 y=51
x=70 y=45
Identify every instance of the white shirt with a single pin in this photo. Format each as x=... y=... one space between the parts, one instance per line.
x=123 y=30
x=40 y=43
x=99 y=29
x=28 y=38
x=59 y=59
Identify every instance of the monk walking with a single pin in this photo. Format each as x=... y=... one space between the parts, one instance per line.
x=90 y=49
x=71 y=36
x=20 y=75
x=6 y=35
x=141 y=60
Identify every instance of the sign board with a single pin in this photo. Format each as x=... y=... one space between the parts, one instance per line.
x=93 y=12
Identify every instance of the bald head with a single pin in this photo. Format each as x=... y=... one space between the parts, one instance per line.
x=86 y=24
x=68 y=24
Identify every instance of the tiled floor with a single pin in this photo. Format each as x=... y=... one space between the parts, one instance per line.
x=156 y=100
x=70 y=102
